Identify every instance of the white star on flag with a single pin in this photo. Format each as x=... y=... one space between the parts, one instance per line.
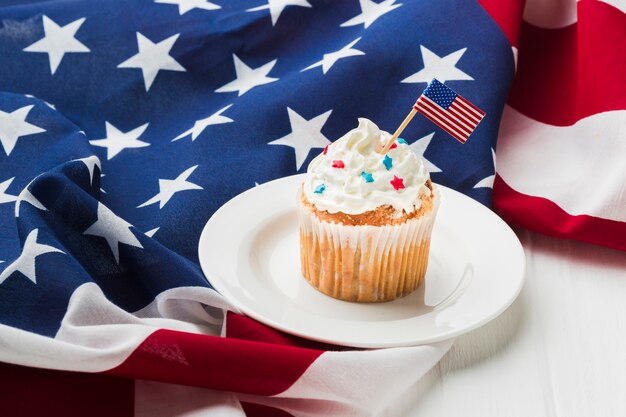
x=419 y=148
x=25 y=263
x=248 y=78
x=116 y=140
x=45 y=102
x=488 y=181
x=4 y=197
x=152 y=58
x=276 y=7
x=14 y=125
x=167 y=188
x=370 y=11
x=305 y=135
x=199 y=126
x=114 y=229
x=444 y=69
x=331 y=58
x=152 y=232
x=28 y=197
x=91 y=162
x=186 y=5
x=58 y=41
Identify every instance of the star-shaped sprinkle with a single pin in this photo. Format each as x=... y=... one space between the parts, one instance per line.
x=319 y=189
x=397 y=183
x=153 y=58
x=444 y=69
x=326 y=149
x=247 y=78
x=388 y=162
x=14 y=125
x=58 y=41
x=394 y=145
x=370 y=12
x=402 y=141
x=338 y=164
x=368 y=177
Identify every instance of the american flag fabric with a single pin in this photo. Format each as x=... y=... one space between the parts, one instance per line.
x=448 y=110
x=124 y=125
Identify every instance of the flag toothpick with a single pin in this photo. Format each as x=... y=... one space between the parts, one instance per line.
x=399 y=130
x=446 y=109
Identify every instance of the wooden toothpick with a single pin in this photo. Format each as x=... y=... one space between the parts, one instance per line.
x=406 y=121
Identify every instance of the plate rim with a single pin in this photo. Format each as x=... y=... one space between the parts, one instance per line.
x=516 y=250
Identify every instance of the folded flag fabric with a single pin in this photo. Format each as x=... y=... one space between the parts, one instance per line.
x=561 y=140
x=124 y=125
x=448 y=110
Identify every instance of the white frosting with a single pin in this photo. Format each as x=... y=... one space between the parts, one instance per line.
x=347 y=191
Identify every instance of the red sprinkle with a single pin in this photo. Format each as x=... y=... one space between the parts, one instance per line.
x=397 y=183
x=326 y=149
x=394 y=145
x=338 y=164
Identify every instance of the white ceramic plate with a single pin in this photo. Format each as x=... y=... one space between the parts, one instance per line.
x=249 y=251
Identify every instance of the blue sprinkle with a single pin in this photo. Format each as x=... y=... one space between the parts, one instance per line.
x=367 y=176
x=320 y=189
x=402 y=141
x=388 y=162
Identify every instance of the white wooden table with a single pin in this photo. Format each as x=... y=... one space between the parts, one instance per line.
x=559 y=350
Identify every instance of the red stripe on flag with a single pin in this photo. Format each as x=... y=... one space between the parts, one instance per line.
x=470 y=121
x=433 y=118
x=508 y=15
x=444 y=116
x=570 y=73
x=546 y=217
x=419 y=107
x=44 y=392
x=216 y=362
x=475 y=111
x=453 y=120
x=242 y=327
x=258 y=410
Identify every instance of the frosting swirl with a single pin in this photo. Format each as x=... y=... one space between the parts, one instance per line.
x=352 y=177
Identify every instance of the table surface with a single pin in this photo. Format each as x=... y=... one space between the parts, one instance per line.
x=559 y=350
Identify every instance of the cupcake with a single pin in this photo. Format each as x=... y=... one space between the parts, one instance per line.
x=366 y=218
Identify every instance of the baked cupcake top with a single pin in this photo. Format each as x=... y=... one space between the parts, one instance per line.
x=351 y=177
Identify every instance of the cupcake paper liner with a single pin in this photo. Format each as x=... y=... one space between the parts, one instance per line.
x=365 y=263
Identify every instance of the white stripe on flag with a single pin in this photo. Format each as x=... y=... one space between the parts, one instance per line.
x=461 y=112
x=479 y=114
x=446 y=116
x=446 y=120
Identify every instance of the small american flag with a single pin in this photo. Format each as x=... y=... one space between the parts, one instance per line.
x=448 y=110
